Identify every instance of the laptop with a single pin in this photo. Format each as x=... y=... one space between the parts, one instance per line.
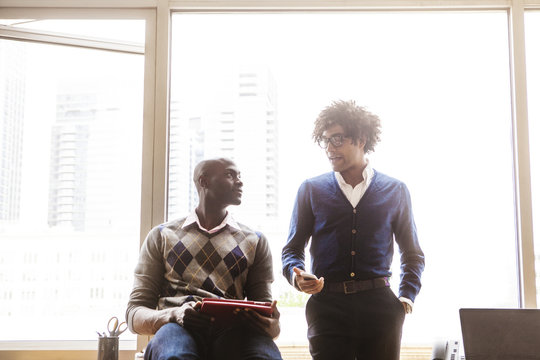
x=501 y=334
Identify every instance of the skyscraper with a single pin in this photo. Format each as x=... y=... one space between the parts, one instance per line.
x=12 y=89
x=238 y=121
x=69 y=150
x=95 y=133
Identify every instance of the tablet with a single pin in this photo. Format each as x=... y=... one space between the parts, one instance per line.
x=222 y=309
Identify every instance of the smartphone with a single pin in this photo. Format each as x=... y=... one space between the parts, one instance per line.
x=308 y=276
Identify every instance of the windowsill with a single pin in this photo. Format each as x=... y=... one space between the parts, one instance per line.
x=86 y=350
x=72 y=345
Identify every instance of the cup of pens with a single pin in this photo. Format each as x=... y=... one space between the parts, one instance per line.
x=108 y=343
x=108 y=348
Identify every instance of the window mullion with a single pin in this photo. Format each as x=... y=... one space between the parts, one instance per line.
x=525 y=241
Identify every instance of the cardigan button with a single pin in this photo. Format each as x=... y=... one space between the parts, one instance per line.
x=352 y=274
x=354 y=231
x=353 y=253
x=354 y=211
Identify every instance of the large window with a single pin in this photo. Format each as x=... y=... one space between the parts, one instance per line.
x=70 y=180
x=443 y=95
x=102 y=121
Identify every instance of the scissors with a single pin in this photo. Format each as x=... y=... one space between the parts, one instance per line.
x=116 y=328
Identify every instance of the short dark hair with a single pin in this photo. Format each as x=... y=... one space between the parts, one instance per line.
x=357 y=122
x=208 y=167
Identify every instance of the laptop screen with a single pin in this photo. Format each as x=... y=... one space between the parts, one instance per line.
x=501 y=334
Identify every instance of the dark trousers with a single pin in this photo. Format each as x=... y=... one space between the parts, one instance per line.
x=364 y=326
x=173 y=342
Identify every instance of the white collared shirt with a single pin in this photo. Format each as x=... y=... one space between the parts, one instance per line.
x=355 y=194
x=192 y=218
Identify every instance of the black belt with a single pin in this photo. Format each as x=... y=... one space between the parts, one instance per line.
x=354 y=286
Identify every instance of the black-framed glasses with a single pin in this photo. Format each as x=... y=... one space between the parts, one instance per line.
x=336 y=140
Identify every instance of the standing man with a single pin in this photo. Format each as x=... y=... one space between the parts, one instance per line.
x=206 y=254
x=352 y=216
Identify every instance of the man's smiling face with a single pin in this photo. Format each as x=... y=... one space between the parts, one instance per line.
x=346 y=157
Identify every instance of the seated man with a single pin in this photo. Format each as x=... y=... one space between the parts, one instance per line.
x=206 y=254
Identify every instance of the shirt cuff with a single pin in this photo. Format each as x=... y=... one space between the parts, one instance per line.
x=409 y=304
x=295 y=284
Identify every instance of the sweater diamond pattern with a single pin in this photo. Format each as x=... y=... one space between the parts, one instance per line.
x=208 y=257
x=206 y=265
x=211 y=264
x=236 y=262
x=179 y=258
x=209 y=286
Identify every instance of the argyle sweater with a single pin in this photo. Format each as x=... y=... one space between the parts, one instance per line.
x=178 y=265
x=354 y=243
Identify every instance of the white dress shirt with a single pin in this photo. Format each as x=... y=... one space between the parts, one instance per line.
x=192 y=218
x=355 y=194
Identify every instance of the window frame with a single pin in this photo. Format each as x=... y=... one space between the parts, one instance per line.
x=86 y=349
x=157 y=14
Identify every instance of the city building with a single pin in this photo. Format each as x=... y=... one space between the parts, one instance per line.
x=69 y=159
x=12 y=71
x=238 y=122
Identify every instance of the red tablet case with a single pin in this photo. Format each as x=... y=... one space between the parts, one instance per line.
x=222 y=309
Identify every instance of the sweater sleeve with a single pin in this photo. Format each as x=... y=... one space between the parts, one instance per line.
x=412 y=257
x=149 y=276
x=300 y=231
x=260 y=275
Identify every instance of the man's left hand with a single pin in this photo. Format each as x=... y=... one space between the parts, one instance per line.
x=260 y=323
x=407 y=307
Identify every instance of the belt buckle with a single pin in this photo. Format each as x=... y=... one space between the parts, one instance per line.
x=348 y=287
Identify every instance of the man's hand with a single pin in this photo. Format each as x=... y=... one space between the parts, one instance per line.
x=263 y=324
x=406 y=307
x=189 y=317
x=308 y=286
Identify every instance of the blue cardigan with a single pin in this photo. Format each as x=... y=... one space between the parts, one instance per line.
x=354 y=243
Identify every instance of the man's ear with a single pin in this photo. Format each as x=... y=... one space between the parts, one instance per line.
x=203 y=182
x=362 y=142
